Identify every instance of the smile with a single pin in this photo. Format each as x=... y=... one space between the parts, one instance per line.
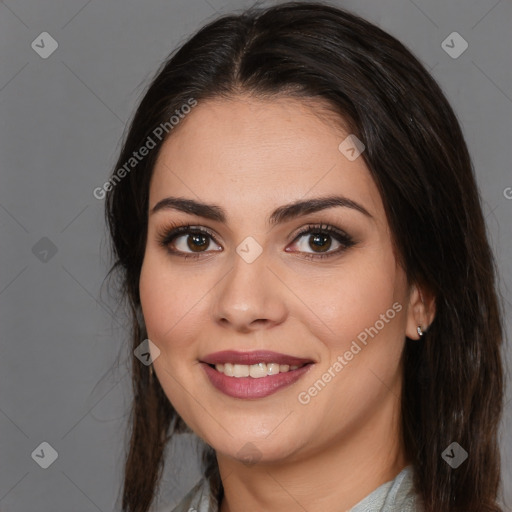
x=256 y=371
x=252 y=375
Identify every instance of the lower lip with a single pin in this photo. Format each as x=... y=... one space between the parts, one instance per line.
x=248 y=387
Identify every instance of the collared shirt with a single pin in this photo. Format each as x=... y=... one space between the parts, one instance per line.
x=397 y=495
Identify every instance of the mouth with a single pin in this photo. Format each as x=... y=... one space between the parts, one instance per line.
x=255 y=371
x=255 y=374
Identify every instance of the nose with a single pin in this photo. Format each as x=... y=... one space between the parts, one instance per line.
x=250 y=297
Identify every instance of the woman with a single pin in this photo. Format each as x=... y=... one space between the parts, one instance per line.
x=337 y=345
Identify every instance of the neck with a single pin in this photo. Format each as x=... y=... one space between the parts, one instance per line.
x=334 y=478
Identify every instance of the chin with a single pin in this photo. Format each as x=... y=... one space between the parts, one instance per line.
x=251 y=450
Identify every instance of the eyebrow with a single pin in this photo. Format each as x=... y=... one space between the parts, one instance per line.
x=279 y=215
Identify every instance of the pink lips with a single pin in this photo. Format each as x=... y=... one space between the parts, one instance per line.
x=257 y=356
x=248 y=387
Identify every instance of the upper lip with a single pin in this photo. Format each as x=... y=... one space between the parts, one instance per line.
x=254 y=357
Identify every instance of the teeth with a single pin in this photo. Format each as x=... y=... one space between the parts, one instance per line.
x=273 y=368
x=240 y=370
x=256 y=371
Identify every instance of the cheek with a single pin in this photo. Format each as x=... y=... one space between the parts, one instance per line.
x=170 y=300
x=363 y=305
x=343 y=304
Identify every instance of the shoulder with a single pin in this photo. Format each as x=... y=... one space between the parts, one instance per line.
x=196 y=500
x=402 y=495
x=397 y=495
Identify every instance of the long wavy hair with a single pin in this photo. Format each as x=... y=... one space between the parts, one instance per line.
x=417 y=156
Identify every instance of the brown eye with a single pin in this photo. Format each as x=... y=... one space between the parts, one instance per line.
x=320 y=242
x=192 y=241
x=197 y=242
x=186 y=241
x=319 y=239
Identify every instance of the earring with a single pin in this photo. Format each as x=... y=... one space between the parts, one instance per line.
x=420 y=332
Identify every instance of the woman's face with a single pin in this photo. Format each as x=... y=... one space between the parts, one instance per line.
x=337 y=300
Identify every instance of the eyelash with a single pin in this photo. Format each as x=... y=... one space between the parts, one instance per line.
x=172 y=231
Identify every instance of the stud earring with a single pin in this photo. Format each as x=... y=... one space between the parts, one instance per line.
x=420 y=332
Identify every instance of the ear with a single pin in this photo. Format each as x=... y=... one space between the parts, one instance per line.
x=421 y=310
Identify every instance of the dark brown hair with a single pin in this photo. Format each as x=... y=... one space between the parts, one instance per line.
x=418 y=158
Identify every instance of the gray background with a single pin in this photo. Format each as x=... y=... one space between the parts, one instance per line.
x=64 y=363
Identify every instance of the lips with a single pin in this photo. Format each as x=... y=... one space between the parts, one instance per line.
x=247 y=387
x=254 y=357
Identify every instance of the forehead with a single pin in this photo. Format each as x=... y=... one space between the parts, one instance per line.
x=248 y=151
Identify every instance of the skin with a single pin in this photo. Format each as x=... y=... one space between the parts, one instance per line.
x=250 y=156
